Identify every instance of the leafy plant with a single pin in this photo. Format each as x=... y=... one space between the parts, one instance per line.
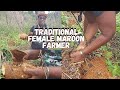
x=1 y=76
x=114 y=68
x=64 y=20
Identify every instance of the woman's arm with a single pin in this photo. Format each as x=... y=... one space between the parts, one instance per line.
x=52 y=72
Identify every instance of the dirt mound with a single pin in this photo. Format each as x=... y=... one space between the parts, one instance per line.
x=94 y=68
x=97 y=70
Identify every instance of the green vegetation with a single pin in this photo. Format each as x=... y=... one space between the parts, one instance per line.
x=9 y=32
x=10 y=28
x=12 y=23
x=113 y=53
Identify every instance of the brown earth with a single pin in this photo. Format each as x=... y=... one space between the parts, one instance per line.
x=94 y=68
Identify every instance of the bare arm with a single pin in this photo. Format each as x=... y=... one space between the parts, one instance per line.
x=54 y=72
x=107 y=26
x=24 y=36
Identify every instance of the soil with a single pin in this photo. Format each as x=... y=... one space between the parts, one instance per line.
x=94 y=68
x=98 y=69
x=91 y=68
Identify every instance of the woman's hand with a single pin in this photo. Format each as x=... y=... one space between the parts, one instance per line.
x=23 y=36
x=77 y=56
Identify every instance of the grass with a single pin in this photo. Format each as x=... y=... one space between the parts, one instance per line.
x=9 y=32
x=9 y=36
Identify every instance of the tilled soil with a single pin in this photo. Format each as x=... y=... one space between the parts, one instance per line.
x=94 y=68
